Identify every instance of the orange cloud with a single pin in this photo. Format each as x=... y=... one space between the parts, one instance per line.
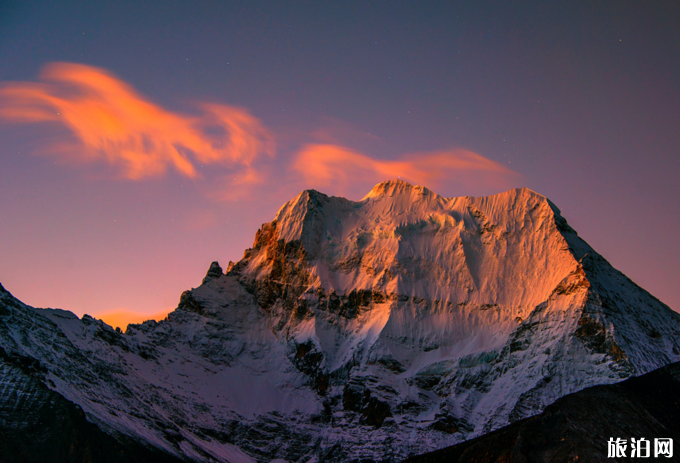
x=113 y=123
x=324 y=164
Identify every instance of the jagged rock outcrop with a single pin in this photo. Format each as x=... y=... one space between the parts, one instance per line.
x=365 y=330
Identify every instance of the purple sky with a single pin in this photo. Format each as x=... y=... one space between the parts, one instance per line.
x=139 y=143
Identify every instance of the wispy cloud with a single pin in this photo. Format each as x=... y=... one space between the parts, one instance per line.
x=111 y=122
x=343 y=168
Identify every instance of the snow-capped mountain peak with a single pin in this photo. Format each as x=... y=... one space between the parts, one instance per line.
x=372 y=329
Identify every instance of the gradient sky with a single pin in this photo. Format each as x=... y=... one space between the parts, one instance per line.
x=142 y=142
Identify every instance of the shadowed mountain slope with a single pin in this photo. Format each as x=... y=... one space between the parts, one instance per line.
x=578 y=426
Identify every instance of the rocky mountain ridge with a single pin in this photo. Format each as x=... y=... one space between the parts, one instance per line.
x=365 y=330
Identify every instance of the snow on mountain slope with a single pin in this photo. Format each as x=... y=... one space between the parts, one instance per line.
x=361 y=330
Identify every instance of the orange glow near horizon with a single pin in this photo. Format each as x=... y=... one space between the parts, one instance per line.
x=122 y=318
x=112 y=122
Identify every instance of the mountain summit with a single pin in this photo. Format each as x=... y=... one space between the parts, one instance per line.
x=352 y=331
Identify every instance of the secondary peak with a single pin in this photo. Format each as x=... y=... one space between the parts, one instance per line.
x=395 y=186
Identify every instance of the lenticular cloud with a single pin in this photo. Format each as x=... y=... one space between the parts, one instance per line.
x=341 y=167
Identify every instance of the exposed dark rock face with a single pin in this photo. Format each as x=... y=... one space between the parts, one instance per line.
x=215 y=271
x=578 y=426
x=310 y=361
x=188 y=303
x=357 y=398
x=283 y=273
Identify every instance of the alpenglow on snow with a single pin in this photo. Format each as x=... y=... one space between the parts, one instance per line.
x=375 y=329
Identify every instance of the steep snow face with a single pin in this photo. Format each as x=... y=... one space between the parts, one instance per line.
x=503 y=249
x=360 y=330
x=487 y=262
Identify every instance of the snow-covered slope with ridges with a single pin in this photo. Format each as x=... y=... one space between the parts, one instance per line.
x=397 y=324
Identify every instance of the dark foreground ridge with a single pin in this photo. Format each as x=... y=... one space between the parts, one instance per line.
x=578 y=426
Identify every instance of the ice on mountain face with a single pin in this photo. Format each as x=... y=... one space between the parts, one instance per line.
x=400 y=323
